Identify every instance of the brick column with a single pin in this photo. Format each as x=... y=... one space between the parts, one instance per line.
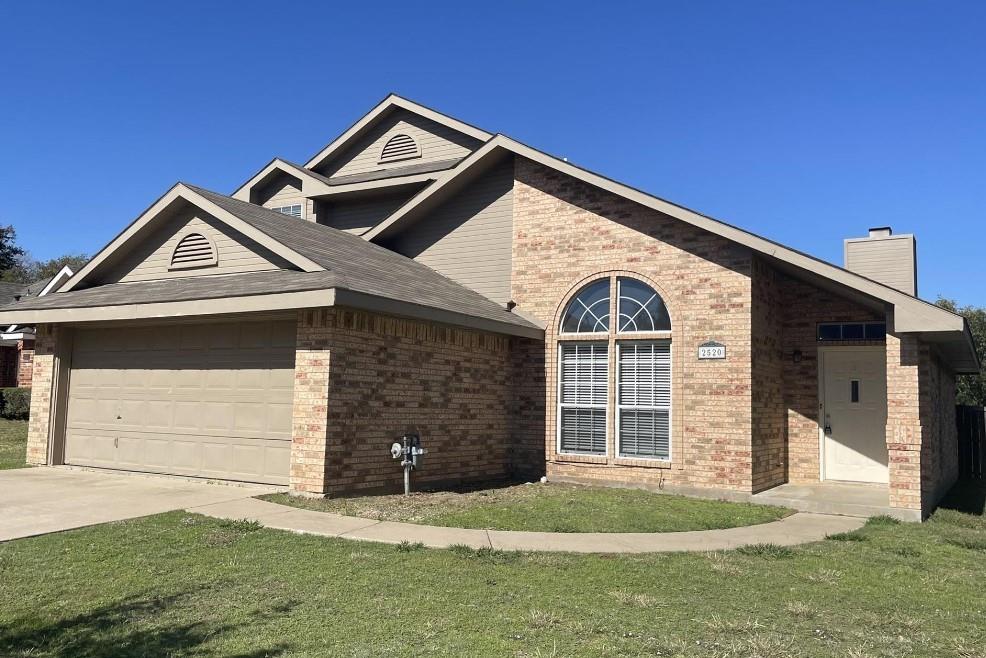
x=904 y=421
x=310 y=425
x=39 y=424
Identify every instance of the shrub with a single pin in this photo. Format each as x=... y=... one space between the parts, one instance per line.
x=15 y=403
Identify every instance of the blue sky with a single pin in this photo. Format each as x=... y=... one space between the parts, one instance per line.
x=803 y=122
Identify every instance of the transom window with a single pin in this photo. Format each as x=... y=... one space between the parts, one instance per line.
x=637 y=389
x=833 y=331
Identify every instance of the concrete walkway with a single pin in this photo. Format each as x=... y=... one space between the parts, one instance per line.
x=36 y=501
x=799 y=528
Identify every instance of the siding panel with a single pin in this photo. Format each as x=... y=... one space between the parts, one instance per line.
x=468 y=239
x=890 y=261
x=357 y=216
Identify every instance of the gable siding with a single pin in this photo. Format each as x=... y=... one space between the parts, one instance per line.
x=437 y=143
x=468 y=238
x=282 y=191
x=236 y=253
x=358 y=216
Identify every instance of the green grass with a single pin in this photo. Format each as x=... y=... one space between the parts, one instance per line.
x=184 y=585
x=548 y=507
x=13 y=443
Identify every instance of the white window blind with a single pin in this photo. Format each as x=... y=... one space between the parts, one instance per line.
x=643 y=397
x=582 y=397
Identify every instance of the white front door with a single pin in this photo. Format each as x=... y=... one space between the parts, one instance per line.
x=854 y=413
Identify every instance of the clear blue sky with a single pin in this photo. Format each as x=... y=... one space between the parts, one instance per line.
x=803 y=122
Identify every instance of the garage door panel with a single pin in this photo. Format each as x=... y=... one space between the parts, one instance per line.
x=206 y=400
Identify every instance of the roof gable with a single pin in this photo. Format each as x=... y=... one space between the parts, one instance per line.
x=178 y=197
x=188 y=242
x=373 y=119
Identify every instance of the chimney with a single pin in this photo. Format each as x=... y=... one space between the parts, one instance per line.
x=885 y=257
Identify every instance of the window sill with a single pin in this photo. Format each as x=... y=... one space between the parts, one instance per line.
x=646 y=463
x=575 y=458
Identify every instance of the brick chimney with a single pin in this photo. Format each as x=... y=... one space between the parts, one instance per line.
x=885 y=257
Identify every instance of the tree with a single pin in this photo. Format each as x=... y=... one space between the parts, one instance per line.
x=10 y=254
x=35 y=270
x=971 y=389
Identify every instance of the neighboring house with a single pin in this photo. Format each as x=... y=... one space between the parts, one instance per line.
x=522 y=314
x=17 y=342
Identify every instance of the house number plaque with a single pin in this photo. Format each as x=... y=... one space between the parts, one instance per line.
x=711 y=350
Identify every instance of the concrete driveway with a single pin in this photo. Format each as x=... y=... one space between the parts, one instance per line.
x=36 y=501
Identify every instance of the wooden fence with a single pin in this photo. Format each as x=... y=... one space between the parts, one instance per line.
x=972 y=441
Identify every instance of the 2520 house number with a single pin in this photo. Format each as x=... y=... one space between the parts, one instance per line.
x=712 y=350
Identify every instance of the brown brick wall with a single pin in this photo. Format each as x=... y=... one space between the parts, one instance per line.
x=904 y=420
x=39 y=424
x=25 y=364
x=567 y=232
x=939 y=434
x=769 y=438
x=310 y=423
x=363 y=380
x=527 y=415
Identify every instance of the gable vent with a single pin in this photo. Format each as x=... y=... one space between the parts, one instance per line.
x=399 y=147
x=193 y=250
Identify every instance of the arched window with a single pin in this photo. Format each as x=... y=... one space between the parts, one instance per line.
x=639 y=388
x=399 y=147
x=193 y=250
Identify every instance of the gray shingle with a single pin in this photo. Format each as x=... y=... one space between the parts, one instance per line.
x=351 y=262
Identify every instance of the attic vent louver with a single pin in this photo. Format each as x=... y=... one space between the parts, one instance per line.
x=193 y=250
x=400 y=147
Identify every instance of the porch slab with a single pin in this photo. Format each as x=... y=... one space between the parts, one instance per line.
x=839 y=498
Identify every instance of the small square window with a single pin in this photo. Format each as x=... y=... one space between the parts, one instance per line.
x=829 y=332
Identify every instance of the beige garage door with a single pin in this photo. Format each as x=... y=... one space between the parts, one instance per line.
x=209 y=400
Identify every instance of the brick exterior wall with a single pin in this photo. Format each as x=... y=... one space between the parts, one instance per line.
x=769 y=438
x=566 y=233
x=25 y=365
x=921 y=432
x=39 y=424
x=362 y=380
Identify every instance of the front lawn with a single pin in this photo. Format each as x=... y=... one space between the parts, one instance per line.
x=548 y=507
x=13 y=443
x=185 y=585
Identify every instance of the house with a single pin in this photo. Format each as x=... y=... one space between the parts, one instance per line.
x=17 y=342
x=523 y=314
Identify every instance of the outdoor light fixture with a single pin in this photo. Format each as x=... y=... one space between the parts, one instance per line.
x=797 y=356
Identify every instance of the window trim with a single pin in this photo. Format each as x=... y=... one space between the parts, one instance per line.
x=618 y=408
x=559 y=404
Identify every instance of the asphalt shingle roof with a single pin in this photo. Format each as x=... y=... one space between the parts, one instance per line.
x=351 y=263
